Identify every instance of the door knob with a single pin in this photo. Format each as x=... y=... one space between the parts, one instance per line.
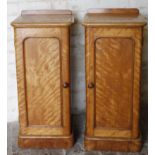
x=66 y=85
x=91 y=85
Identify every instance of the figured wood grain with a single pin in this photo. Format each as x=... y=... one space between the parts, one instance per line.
x=113 y=80
x=43 y=82
x=42 y=64
x=131 y=92
x=113 y=61
x=65 y=99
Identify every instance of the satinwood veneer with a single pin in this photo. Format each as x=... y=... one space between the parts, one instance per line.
x=113 y=40
x=43 y=77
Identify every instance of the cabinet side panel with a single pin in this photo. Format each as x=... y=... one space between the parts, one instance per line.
x=114 y=78
x=42 y=73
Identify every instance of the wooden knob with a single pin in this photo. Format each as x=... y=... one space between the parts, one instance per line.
x=66 y=85
x=91 y=85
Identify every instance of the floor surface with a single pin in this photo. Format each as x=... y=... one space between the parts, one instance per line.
x=78 y=128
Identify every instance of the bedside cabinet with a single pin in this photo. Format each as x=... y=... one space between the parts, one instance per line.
x=113 y=40
x=43 y=77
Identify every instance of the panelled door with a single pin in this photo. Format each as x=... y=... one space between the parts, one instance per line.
x=112 y=79
x=43 y=62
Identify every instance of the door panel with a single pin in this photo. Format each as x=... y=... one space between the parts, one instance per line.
x=114 y=77
x=42 y=62
x=42 y=70
x=113 y=66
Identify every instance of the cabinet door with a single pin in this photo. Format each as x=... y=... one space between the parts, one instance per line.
x=113 y=75
x=42 y=57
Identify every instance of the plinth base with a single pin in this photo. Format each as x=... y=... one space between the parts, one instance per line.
x=45 y=142
x=113 y=144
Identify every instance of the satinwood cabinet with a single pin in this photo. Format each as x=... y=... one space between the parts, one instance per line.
x=43 y=77
x=113 y=39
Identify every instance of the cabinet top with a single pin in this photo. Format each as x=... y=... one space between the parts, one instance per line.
x=114 y=17
x=44 y=18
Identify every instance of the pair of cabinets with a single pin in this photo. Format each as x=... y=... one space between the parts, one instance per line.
x=113 y=40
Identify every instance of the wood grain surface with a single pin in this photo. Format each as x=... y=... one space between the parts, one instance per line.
x=46 y=142
x=43 y=81
x=113 y=65
x=121 y=17
x=50 y=92
x=44 y=18
x=113 y=80
x=46 y=12
x=115 y=145
x=114 y=11
x=43 y=78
